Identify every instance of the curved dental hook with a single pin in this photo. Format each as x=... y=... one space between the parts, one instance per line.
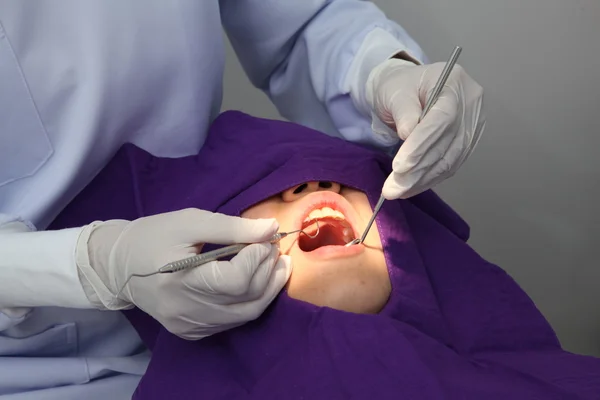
x=316 y=233
x=278 y=236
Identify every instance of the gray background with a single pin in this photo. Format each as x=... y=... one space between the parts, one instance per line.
x=530 y=190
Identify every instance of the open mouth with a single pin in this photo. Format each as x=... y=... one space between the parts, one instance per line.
x=334 y=230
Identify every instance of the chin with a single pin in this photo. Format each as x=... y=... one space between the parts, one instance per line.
x=337 y=294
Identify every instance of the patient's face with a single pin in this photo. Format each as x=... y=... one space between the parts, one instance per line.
x=326 y=273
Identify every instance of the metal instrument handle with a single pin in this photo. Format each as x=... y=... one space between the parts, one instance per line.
x=203 y=258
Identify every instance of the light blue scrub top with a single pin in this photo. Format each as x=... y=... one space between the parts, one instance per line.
x=78 y=78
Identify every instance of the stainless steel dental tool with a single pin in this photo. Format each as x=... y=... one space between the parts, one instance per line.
x=430 y=102
x=214 y=255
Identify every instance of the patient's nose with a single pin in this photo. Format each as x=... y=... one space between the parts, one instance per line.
x=302 y=190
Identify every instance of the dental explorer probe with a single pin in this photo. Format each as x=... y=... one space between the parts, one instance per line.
x=214 y=255
x=430 y=102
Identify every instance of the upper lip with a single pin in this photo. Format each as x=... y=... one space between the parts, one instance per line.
x=332 y=200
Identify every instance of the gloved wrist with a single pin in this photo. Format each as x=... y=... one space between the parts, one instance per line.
x=385 y=130
x=92 y=264
x=378 y=46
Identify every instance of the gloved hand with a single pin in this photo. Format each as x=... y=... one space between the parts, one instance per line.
x=435 y=148
x=191 y=304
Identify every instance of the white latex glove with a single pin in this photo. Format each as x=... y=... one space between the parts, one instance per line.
x=435 y=148
x=191 y=304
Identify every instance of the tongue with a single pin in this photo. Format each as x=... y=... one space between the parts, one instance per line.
x=331 y=233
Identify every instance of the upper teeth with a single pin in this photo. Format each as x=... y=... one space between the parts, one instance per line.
x=324 y=212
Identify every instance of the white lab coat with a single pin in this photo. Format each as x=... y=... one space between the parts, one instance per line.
x=78 y=78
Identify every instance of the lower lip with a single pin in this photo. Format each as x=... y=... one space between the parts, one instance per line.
x=329 y=252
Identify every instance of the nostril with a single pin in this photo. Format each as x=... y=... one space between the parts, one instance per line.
x=300 y=188
x=325 y=185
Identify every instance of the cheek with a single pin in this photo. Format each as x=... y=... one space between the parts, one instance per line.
x=253 y=213
x=363 y=208
x=271 y=209
x=266 y=209
x=373 y=240
x=361 y=204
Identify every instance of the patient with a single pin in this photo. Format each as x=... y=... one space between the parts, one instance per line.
x=326 y=273
x=413 y=313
